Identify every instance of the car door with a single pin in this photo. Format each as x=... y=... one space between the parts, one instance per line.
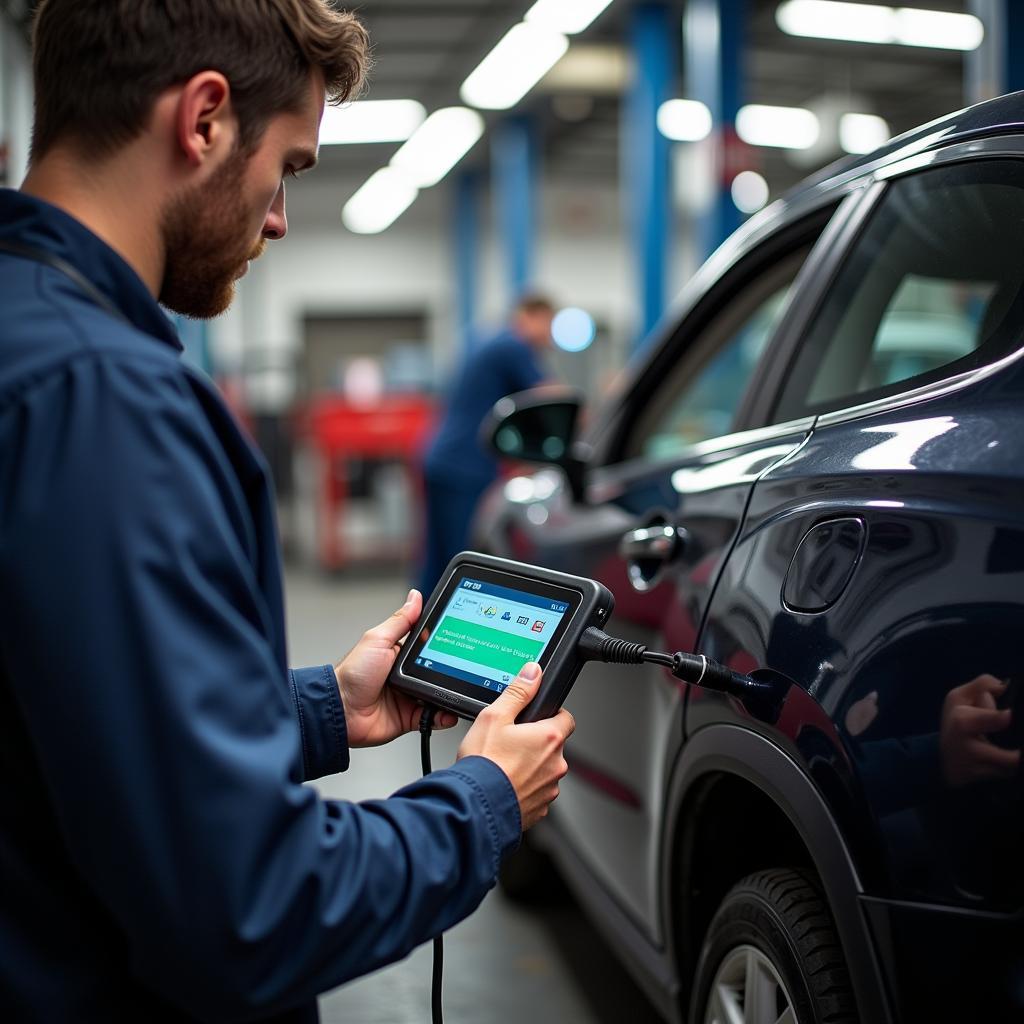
x=881 y=571
x=660 y=513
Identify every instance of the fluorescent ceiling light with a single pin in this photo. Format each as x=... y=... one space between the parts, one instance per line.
x=749 y=191
x=862 y=133
x=943 y=30
x=782 y=127
x=684 y=120
x=371 y=121
x=874 y=23
x=380 y=202
x=568 y=16
x=438 y=145
x=523 y=57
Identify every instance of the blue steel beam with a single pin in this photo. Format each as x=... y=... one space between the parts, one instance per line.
x=713 y=58
x=466 y=244
x=997 y=66
x=516 y=170
x=645 y=156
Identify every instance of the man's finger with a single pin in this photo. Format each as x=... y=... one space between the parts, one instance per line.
x=976 y=721
x=996 y=757
x=981 y=685
x=391 y=631
x=565 y=723
x=519 y=692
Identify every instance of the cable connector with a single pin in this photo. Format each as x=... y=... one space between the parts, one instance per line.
x=596 y=645
x=711 y=675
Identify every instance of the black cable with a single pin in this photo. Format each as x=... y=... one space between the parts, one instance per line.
x=596 y=645
x=437 y=976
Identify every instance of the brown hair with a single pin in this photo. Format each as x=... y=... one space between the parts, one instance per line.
x=101 y=64
x=533 y=303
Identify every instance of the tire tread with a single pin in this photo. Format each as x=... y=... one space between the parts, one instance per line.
x=793 y=898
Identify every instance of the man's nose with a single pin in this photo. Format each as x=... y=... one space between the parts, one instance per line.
x=276 y=225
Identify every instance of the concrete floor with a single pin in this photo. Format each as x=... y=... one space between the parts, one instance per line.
x=503 y=963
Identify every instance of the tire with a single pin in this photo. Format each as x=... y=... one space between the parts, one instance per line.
x=774 y=927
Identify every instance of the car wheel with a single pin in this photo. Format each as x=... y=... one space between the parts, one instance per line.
x=771 y=956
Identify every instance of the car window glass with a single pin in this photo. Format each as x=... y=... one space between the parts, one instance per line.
x=934 y=286
x=701 y=397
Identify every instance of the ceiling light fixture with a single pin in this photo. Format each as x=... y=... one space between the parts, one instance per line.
x=524 y=56
x=749 y=191
x=781 y=127
x=438 y=145
x=874 y=23
x=568 y=16
x=684 y=120
x=371 y=121
x=380 y=202
x=862 y=133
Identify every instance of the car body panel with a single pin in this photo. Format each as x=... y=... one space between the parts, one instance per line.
x=920 y=590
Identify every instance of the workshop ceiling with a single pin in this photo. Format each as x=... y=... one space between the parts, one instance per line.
x=424 y=49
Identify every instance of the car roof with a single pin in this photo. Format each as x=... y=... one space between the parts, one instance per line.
x=1003 y=115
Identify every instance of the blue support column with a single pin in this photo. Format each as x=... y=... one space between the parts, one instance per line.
x=466 y=243
x=713 y=58
x=645 y=156
x=516 y=170
x=997 y=66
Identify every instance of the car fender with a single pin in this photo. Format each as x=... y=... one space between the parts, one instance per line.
x=732 y=750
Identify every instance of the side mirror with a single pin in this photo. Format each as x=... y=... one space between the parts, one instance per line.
x=539 y=426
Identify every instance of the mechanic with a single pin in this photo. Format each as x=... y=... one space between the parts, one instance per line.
x=456 y=468
x=161 y=858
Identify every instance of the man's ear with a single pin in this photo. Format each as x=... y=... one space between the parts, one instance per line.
x=205 y=121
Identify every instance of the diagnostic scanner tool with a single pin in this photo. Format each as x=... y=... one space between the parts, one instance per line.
x=486 y=619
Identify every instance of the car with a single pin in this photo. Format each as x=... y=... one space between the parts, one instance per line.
x=814 y=474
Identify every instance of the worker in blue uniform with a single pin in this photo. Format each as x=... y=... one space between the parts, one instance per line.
x=457 y=468
x=160 y=858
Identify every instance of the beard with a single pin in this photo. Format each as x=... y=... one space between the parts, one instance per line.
x=205 y=253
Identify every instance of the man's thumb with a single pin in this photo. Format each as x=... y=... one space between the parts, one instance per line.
x=520 y=691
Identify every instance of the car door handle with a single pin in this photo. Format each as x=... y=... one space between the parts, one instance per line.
x=651 y=543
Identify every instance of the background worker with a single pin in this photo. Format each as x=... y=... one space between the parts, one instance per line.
x=456 y=467
x=161 y=858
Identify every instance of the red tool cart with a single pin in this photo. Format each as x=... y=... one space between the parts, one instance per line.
x=391 y=431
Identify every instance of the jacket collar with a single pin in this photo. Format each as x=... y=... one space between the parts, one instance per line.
x=38 y=224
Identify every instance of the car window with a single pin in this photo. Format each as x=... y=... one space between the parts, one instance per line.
x=934 y=286
x=701 y=396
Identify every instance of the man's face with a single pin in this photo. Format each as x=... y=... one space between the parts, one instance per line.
x=213 y=230
x=535 y=327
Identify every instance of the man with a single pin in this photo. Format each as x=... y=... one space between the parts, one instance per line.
x=456 y=468
x=160 y=859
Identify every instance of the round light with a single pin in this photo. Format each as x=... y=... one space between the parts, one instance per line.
x=573 y=330
x=749 y=191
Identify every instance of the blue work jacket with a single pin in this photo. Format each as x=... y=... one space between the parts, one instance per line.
x=502 y=366
x=160 y=858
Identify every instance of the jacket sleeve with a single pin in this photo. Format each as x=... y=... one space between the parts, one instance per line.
x=135 y=637
x=321 y=718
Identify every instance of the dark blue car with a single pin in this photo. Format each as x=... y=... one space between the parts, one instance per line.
x=815 y=474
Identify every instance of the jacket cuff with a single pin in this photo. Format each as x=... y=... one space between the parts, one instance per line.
x=497 y=799
x=321 y=721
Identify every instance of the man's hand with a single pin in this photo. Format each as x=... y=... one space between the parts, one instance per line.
x=529 y=754
x=374 y=713
x=969 y=714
